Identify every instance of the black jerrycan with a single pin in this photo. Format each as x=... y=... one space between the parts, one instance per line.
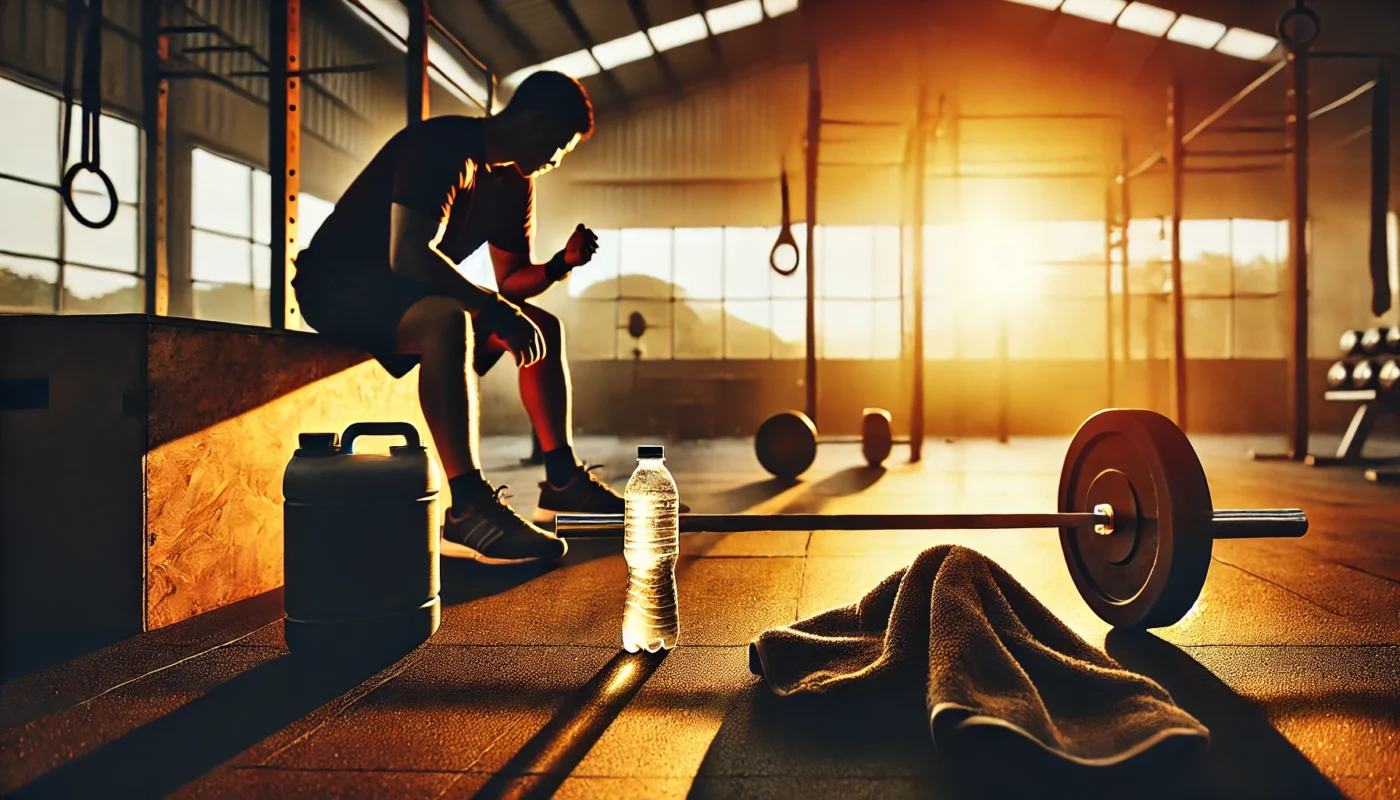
x=360 y=536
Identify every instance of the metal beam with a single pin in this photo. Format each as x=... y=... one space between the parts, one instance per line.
x=155 y=93
x=575 y=25
x=663 y=64
x=1297 y=160
x=1176 y=145
x=920 y=189
x=710 y=40
x=416 y=83
x=518 y=38
x=814 y=142
x=284 y=155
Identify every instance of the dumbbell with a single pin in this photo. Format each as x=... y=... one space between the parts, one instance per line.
x=1388 y=376
x=1381 y=340
x=1339 y=375
x=1135 y=518
x=786 y=443
x=1351 y=342
x=1365 y=374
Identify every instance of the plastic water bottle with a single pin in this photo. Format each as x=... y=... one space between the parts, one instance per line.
x=650 y=620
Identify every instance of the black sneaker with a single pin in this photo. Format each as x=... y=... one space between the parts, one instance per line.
x=491 y=532
x=585 y=494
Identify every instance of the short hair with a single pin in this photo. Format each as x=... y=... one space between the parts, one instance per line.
x=562 y=97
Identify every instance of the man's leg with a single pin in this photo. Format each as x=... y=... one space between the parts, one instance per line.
x=438 y=331
x=479 y=525
x=547 y=394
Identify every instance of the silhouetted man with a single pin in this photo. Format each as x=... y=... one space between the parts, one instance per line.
x=380 y=273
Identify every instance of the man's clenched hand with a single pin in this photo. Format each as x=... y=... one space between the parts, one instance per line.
x=583 y=243
x=520 y=334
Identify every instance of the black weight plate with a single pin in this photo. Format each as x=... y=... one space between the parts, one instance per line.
x=786 y=444
x=876 y=438
x=1154 y=579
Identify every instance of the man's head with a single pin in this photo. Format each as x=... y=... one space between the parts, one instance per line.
x=546 y=118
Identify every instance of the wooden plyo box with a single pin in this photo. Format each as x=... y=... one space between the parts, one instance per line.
x=141 y=463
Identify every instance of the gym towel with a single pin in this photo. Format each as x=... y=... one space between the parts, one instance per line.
x=992 y=659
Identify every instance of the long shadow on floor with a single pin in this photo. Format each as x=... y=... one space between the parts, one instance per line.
x=1247 y=757
x=464 y=581
x=170 y=752
x=849 y=481
x=742 y=498
x=551 y=754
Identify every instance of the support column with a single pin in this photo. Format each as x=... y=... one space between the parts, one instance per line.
x=1296 y=125
x=155 y=92
x=284 y=155
x=416 y=67
x=814 y=138
x=1176 y=110
x=1108 y=225
x=1125 y=208
x=920 y=146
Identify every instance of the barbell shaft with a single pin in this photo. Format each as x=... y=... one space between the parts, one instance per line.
x=583 y=525
x=1225 y=523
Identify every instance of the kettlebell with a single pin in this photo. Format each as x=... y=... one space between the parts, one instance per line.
x=360 y=544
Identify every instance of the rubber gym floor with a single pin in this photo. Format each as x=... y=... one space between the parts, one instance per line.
x=1291 y=657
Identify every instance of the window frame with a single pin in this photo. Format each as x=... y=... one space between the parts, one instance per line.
x=60 y=259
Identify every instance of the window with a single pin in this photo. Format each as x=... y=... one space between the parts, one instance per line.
x=1232 y=271
x=231 y=235
x=50 y=262
x=710 y=294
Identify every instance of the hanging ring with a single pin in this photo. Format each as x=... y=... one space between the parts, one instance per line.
x=1305 y=37
x=66 y=189
x=785 y=237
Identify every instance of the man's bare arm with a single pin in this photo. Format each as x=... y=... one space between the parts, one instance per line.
x=518 y=278
x=413 y=253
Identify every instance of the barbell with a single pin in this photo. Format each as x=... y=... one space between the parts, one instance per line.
x=786 y=443
x=1135 y=519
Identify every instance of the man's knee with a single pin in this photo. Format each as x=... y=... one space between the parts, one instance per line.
x=436 y=322
x=548 y=324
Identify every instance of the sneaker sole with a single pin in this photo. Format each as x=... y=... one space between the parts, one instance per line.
x=450 y=549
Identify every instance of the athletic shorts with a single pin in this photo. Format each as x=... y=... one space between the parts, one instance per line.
x=362 y=306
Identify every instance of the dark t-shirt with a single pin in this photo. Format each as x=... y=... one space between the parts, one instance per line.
x=434 y=168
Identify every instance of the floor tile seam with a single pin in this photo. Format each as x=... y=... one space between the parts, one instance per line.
x=1362 y=570
x=696 y=777
x=340 y=710
x=1275 y=583
x=395 y=770
x=171 y=665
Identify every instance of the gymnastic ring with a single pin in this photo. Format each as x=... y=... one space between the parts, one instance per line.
x=66 y=189
x=785 y=238
x=1299 y=10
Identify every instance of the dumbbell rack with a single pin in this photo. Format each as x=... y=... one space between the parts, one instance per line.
x=1374 y=403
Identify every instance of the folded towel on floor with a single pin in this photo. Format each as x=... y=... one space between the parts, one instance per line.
x=992 y=658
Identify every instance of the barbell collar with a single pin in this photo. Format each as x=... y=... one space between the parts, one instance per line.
x=1259 y=523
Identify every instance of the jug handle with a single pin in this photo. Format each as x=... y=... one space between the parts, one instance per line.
x=358 y=429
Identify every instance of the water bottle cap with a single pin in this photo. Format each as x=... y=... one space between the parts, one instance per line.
x=651 y=451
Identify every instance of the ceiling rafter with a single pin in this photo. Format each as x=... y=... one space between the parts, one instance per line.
x=518 y=38
x=663 y=64
x=711 y=39
x=571 y=19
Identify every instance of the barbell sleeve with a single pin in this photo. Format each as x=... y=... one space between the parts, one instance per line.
x=1258 y=523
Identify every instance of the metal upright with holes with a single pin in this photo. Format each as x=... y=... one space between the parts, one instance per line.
x=155 y=93
x=284 y=154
